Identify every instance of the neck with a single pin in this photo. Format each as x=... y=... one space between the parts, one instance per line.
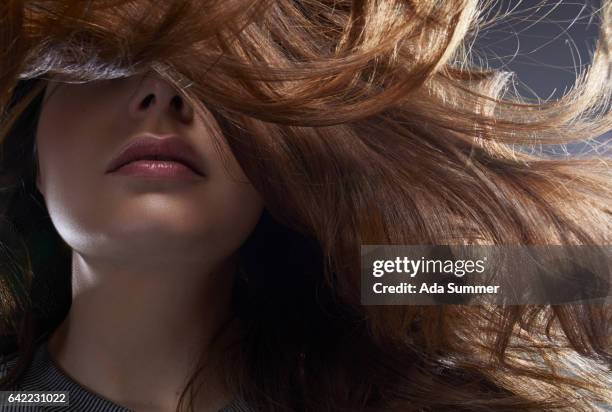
x=134 y=333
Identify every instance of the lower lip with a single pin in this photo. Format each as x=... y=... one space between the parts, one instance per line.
x=157 y=169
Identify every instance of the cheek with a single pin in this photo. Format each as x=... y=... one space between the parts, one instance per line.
x=71 y=139
x=239 y=207
x=232 y=201
x=63 y=178
x=67 y=139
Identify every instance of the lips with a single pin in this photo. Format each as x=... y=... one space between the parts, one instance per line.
x=151 y=147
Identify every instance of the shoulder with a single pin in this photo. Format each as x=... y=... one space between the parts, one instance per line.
x=237 y=405
x=7 y=363
x=33 y=369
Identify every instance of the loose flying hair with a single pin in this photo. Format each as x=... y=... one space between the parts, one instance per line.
x=359 y=122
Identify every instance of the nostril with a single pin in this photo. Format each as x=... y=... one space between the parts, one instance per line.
x=178 y=102
x=147 y=101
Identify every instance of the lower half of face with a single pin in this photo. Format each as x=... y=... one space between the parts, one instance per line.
x=117 y=216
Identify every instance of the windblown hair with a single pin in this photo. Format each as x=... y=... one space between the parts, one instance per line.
x=359 y=122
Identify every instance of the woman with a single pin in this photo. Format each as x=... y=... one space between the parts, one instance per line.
x=311 y=128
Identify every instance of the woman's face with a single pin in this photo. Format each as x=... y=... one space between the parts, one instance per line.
x=83 y=126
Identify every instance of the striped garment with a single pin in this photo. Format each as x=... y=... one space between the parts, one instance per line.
x=44 y=375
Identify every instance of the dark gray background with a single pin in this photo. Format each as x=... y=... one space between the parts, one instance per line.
x=545 y=42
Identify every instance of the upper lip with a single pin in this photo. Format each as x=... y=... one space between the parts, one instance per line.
x=165 y=148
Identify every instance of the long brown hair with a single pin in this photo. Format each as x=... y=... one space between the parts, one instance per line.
x=359 y=122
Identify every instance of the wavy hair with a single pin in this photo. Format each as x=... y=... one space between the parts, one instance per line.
x=359 y=122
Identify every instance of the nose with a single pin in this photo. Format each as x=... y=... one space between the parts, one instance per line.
x=155 y=96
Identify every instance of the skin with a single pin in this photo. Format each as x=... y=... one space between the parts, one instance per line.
x=152 y=259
